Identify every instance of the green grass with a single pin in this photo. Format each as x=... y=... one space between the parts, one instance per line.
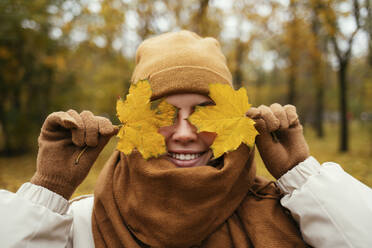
x=357 y=162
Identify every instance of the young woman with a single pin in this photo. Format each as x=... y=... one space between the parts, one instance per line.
x=185 y=198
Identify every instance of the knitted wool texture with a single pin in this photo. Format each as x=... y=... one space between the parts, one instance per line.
x=62 y=138
x=180 y=62
x=152 y=203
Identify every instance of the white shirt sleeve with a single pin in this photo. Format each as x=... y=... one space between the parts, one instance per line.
x=332 y=208
x=34 y=217
x=81 y=232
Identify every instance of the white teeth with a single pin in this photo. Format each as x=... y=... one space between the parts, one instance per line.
x=182 y=156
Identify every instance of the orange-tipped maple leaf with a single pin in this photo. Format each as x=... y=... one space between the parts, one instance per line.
x=227 y=118
x=141 y=122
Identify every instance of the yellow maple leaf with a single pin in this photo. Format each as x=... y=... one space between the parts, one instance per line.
x=227 y=118
x=141 y=123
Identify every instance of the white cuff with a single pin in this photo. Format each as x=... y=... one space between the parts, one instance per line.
x=43 y=196
x=298 y=175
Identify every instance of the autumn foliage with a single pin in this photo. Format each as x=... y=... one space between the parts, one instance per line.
x=56 y=55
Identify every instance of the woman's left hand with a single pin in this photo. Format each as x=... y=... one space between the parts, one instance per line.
x=281 y=142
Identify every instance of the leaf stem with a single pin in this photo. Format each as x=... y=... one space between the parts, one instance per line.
x=86 y=147
x=80 y=154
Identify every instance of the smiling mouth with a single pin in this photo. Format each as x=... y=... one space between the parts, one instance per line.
x=185 y=156
x=186 y=159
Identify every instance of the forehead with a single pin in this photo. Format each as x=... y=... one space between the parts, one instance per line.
x=187 y=99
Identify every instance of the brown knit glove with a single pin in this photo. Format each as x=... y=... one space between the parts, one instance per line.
x=63 y=136
x=280 y=142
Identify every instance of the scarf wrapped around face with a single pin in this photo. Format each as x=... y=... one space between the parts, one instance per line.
x=153 y=203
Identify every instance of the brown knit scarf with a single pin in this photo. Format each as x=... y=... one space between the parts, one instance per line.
x=152 y=203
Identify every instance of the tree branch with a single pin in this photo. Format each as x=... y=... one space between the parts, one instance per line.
x=336 y=47
x=350 y=41
x=356 y=10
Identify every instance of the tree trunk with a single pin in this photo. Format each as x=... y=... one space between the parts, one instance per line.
x=199 y=21
x=369 y=31
x=318 y=72
x=238 y=77
x=5 y=137
x=292 y=87
x=319 y=110
x=344 y=127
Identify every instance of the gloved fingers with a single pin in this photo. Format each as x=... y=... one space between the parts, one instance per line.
x=91 y=128
x=105 y=127
x=280 y=113
x=291 y=115
x=56 y=120
x=78 y=133
x=271 y=121
x=59 y=119
x=260 y=126
x=253 y=113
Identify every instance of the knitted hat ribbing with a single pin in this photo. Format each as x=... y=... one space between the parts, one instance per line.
x=180 y=62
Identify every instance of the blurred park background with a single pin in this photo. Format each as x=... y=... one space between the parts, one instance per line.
x=315 y=54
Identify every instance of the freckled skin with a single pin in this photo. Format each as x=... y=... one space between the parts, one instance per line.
x=182 y=136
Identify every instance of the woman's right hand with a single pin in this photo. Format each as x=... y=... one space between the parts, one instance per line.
x=69 y=144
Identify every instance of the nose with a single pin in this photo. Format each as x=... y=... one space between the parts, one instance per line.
x=184 y=131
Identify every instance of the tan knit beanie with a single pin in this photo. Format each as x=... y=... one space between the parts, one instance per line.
x=180 y=62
